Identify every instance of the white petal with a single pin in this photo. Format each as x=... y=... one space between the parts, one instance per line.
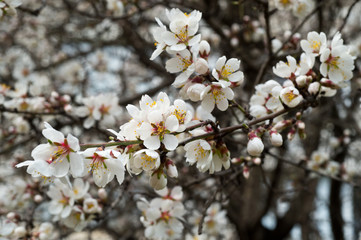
x=172 y=123
x=170 y=142
x=236 y=77
x=73 y=142
x=60 y=168
x=152 y=142
x=53 y=135
x=220 y=63
x=76 y=165
x=208 y=103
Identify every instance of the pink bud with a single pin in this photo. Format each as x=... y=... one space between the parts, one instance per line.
x=246 y=172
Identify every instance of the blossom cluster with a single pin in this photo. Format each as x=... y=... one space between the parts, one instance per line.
x=162 y=216
x=302 y=80
x=190 y=58
x=72 y=204
x=300 y=8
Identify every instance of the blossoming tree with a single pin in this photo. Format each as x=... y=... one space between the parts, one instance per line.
x=216 y=119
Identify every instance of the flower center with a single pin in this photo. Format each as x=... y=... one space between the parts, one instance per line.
x=159 y=130
x=148 y=161
x=180 y=114
x=315 y=45
x=165 y=216
x=183 y=35
x=104 y=109
x=226 y=70
x=62 y=149
x=290 y=96
x=97 y=162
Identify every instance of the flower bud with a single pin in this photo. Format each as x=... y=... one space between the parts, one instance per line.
x=204 y=49
x=327 y=92
x=255 y=146
x=234 y=42
x=20 y=232
x=276 y=139
x=328 y=83
x=314 y=88
x=68 y=108
x=171 y=169
x=194 y=92
x=11 y=215
x=202 y=66
x=257 y=161
x=102 y=193
x=38 y=198
x=302 y=80
x=158 y=180
x=246 y=172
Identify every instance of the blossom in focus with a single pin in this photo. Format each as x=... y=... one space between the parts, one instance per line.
x=290 y=96
x=183 y=62
x=336 y=62
x=55 y=157
x=286 y=69
x=183 y=28
x=218 y=93
x=228 y=71
x=104 y=164
x=315 y=44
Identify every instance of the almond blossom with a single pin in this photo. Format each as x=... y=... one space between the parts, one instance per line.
x=228 y=71
x=158 y=130
x=162 y=216
x=286 y=69
x=218 y=93
x=182 y=62
x=55 y=157
x=183 y=28
x=315 y=43
x=105 y=164
x=61 y=199
x=146 y=160
x=290 y=96
x=336 y=62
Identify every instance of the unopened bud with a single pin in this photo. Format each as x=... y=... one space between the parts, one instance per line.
x=204 y=49
x=301 y=125
x=54 y=94
x=68 y=108
x=158 y=180
x=66 y=98
x=194 y=92
x=234 y=42
x=255 y=146
x=11 y=215
x=246 y=172
x=38 y=198
x=20 y=231
x=276 y=139
x=171 y=169
x=301 y=80
x=102 y=193
x=202 y=66
x=314 y=88
x=328 y=83
x=257 y=161
x=291 y=134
